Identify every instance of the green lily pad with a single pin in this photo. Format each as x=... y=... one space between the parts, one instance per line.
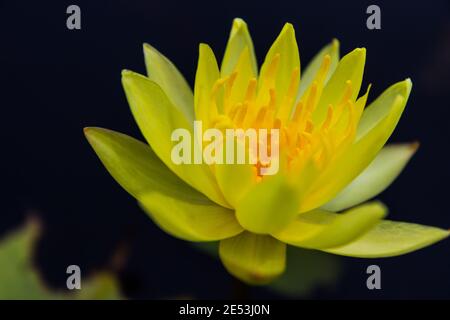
x=20 y=279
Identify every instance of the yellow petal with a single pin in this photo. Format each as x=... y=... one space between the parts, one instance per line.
x=254 y=259
x=285 y=46
x=269 y=206
x=235 y=180
x=244 y=74
x=190 y=216
x=350 y=68
x=238 y=41
x=321 y=229
x=332 y=49
x=386 y=167
x=205 y=77
x=381 y=107
x=167 y=76
x=390 y=238
x=358 y=156
x=360 y=104
x=157 y=117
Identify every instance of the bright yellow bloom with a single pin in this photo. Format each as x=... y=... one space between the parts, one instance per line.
x=331 y=155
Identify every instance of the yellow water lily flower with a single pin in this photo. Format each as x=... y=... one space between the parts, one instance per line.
x=331 y=155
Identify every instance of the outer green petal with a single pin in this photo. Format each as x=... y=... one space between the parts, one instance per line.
x=255 y=259
x=381 y=107
x=167 y=76
x=190 y=216
x=375 y=178
x=321 y=229
x=351 y=67
x=239 y=40
x=390 y=238
x=358 y=156
x=133 y=164
x=269 y=206
x=313 y=67
x=157 y=117
x=176 y=207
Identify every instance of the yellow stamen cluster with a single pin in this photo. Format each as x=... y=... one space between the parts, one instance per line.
x=302 y=138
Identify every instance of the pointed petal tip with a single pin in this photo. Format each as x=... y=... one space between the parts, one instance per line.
x=288 y=28
x=126 y=72
x=335 y=42
x=361 y=51
x=89 y=131
x=391 y=239
x=414 y=146
x=203 y=46
x=400 y=90
x=409 y=84
x=148 y=47
x=129 y=76
x=91 y=134
x=239 y=23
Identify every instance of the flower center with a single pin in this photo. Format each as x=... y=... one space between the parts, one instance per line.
x=304 y=136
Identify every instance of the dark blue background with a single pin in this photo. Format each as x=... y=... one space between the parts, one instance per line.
x=55 y=81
